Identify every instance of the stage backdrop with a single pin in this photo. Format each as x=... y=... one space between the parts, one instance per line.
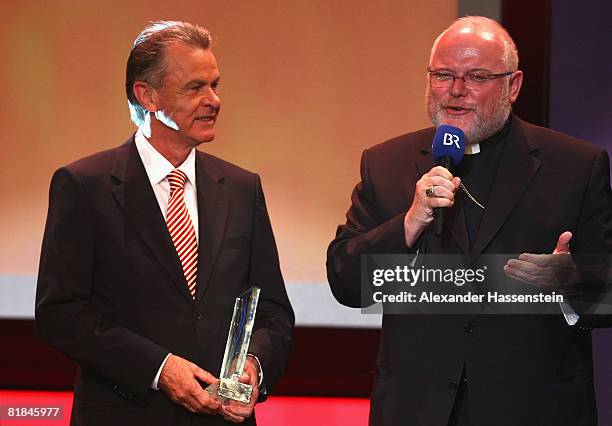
x=306 y=86
x=581 y=105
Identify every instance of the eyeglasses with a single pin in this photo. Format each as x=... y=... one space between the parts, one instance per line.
x=472 y=80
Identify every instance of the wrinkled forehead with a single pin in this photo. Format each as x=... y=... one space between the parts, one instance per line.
x=470 y=47
x=179 y=51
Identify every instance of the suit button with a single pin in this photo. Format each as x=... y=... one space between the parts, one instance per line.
x=197 y=316
x=468 y=327
x=453 y=386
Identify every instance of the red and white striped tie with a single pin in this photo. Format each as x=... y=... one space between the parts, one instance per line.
x=181 y=229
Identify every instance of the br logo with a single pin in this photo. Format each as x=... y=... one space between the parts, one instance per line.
x=450 y=139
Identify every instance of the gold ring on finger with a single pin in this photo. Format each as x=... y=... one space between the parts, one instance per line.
x=429 y=191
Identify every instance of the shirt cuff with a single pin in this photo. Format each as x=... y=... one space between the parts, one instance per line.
x=260 y=369
x=155 y=383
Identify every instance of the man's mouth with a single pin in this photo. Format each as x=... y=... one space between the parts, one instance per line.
x=456 y=110
x=207 y=119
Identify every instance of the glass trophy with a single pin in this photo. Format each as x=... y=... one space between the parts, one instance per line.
x=236 y=348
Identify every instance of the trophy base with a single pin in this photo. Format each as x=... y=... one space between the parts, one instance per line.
x=230 y=389
x=235 y=390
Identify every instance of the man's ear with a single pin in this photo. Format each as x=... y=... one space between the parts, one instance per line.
x=516 y=81
x=146 y=95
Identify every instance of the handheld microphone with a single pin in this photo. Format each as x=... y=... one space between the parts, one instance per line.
x=447 y=148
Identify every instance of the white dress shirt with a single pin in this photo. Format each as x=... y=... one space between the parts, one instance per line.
x=158 y=168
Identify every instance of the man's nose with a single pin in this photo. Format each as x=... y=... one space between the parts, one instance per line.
x=458 y=87
x=211 y=98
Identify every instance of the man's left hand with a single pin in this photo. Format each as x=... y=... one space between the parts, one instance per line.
x=235 y=411
x=555 y=271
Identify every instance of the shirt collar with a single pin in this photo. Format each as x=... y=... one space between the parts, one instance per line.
x=157 y=166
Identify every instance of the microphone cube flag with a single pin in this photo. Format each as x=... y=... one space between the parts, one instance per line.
x=448 y=142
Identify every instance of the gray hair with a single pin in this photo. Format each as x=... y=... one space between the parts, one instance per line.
x=510 y=58
x=147 y=57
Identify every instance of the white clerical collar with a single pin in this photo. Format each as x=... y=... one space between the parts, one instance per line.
x=472 y=148
x=157 y=166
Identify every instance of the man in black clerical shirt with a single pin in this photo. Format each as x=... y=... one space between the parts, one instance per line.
x=521 y=189
x=476 y=172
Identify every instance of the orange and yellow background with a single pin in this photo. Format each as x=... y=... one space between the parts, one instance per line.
x=306 y=86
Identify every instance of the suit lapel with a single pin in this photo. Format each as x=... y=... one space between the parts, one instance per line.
x=133 y=192
x=213 y=206
x=516 y=169
x=453 y=219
